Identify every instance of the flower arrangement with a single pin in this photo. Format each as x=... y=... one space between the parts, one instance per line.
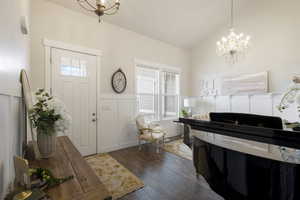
x=290 y=97
x=48 y=114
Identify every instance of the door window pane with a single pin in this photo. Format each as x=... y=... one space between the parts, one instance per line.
x=73 y=67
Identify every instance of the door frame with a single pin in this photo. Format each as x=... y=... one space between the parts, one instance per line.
x=50 y=44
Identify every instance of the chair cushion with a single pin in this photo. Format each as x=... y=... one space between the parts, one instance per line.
x=155 y=136
x=157 y=129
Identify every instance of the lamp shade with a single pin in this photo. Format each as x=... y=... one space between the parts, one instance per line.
x=189 y=103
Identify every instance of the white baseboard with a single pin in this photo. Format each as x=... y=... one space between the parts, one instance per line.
x=118 y=147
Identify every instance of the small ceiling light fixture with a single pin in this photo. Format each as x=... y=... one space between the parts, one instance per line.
x=100 y=7
x=234 y=45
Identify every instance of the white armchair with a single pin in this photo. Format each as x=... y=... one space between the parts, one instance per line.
x=149 y=132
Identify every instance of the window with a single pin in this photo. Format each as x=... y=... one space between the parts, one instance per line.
x=170 y=95
x=147 y=91
x=73 y=67
x=157 y=91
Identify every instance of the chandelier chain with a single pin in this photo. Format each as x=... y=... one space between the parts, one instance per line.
x=101 y=7
x=231 y=14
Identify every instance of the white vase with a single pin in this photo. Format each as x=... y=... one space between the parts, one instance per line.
x=46 y=144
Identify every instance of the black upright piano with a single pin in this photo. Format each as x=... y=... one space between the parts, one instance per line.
x=241 y=175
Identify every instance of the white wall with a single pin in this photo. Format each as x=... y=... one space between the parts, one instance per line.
x=120 y=48
x=14 y=55
x=275 y=30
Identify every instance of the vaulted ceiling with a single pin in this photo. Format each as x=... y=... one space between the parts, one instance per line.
x=179 y=22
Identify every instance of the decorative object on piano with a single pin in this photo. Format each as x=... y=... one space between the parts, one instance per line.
x=291 y=96
x=49 y=117
x=27 y=98
x=119 y=81
x=189 y=103
x=245 y=84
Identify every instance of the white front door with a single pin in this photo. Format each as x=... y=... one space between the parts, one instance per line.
x=74 y=81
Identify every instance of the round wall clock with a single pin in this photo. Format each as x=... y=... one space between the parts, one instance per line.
x=119 y=81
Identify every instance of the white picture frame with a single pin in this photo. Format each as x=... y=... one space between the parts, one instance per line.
x=256 y=83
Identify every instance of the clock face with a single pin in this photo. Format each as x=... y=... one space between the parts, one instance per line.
x=119 y=81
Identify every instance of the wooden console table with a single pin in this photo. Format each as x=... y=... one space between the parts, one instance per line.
x=68 y=161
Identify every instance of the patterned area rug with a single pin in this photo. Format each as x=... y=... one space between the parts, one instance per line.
x=177 y=147
x=117 y=179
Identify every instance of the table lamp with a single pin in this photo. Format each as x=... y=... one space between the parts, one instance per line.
x=189 y=103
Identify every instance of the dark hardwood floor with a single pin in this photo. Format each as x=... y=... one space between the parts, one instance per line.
x=165 y=175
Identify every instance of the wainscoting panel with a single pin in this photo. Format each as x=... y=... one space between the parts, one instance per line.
x=116 y=128
x=126 y=118
x=10 y=143
x=222 y=104
x=240 y=104
x=108 y=129
x=262 y=104
x=116 y=123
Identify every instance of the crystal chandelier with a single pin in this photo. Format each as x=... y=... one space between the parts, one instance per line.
x=234 y=45
x=100 y=7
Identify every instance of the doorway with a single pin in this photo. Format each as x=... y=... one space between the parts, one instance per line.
x=74 y=81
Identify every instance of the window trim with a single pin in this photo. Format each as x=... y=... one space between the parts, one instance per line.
x=161 y=68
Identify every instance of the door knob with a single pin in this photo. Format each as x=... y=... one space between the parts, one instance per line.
x=94 y=120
